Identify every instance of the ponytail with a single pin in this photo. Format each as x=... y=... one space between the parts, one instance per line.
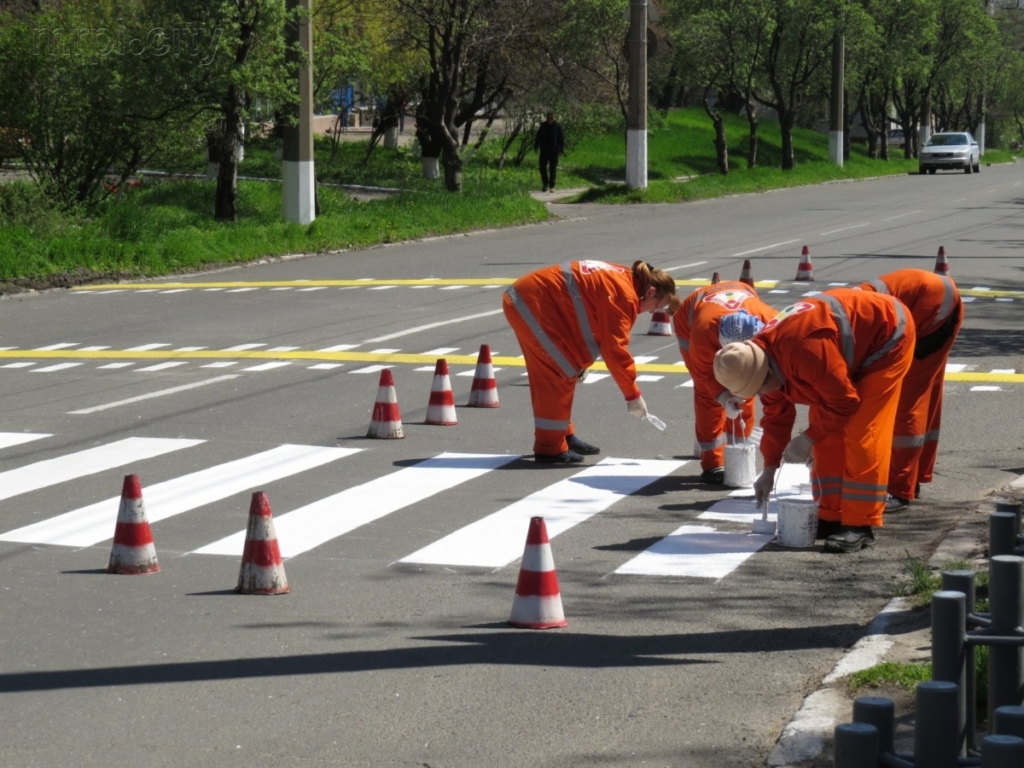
x=645 y=276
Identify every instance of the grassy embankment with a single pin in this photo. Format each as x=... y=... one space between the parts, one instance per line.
x=165 y=227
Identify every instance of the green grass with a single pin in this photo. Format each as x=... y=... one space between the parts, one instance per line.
x=904 y=675
x=922 y=582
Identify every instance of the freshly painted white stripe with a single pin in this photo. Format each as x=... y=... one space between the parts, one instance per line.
x=114 y=365
x=241 y=290
x=908 y=213
x=955 y=367
x=63 y=345
x=429 y=326
x=314 y=288
x=986 y=389
x=243 y=347
x=738 y=506
x=382 y=287
x=844 y=229
x=17 y=365
x=441 y=351
x=146 y=347
x=1003 y=298
x=9 y=439
x=765 y=248
x=493 y=370
x=980 y=288
x=452 y=287
x=282 y=349
x=176 y=290
x=1003 y=370
x=95 y=523
x=222 y=364
x=696 y=550
x=967 y=299
x=57 y=367
x=310 y=526
x=144 y=290
x=779 y=290
x=267 y=366
x=372 y=369
x=384 y=351
x=839 y=284
x=429 y=368
x=687 y=383
x=189 y=349
x=282 y=288
x=641 y=359
x=162 y=366
x=43 y=474
x=161 y=393
x=649 y=377
x=212 y=290
x=338 y=348
x=93 y=349
x=325 y=366
x=498 y=539
x=593 y=378
x=5 y=349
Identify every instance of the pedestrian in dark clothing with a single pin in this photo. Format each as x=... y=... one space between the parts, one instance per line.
x=550 y=141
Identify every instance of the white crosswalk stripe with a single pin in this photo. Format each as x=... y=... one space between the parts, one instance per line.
x=8 y=439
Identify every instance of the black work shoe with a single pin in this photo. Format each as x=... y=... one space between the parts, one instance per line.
x=828 y=528
x=580 y=446
x=895 y=504
x=565 y=457
x=714 y=476
x=917 y=491
x=851 y=538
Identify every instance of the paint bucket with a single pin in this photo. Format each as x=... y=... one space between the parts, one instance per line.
x=798 y=522
x=740 y=465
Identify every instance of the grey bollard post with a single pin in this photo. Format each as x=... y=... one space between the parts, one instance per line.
x=879 y=712
x=1006 y=607
x=1002 y=533
x=949 y=653
x=936 y=740
x=1002 y=752
x=1009 y=721
x=964 y=581
x=856 y=746
x=1014 y=507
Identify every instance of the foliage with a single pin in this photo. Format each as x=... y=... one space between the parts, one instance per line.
x=904 y=675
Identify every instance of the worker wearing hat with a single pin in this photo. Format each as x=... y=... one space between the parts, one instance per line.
x=934 y=302
x=844 y=353
x=707 y=320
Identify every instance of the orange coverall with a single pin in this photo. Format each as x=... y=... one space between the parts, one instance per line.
x=934 y=302
x=565 y=317
x=844 y=353
x=696 y=327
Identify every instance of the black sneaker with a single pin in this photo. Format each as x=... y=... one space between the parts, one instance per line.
x=580 y=446
x=565 y=457
x=827 y=528
x=895 y=504
x=714 y=476
x=917 y=491
x=851 y=538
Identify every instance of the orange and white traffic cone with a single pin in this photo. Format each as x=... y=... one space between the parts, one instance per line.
x=262 y=571
x=941 y=265
x=441 y=408
x=133 y=551
x=661 y=324
x=805 y=272
x=537 y=603
x=484 y=393
x=386 y=422
x=715 y=278
x=745 y=274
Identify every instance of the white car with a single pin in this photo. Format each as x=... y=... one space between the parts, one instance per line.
x=950 y=151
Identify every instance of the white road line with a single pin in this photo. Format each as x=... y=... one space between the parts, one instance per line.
x=441 y=351
x=242 y=347
x=986 y=389
x=90 y=525
x=765 y=248
x=10 y=439
x=429 y=326
x=388 y=351
x=307 y=527
x=64 y=345
x=339 y=348
x=267 y=366
x=176 y=290
x=162 y=366
x=222 y=364
x=696 y=550
x=146 y=347
x=325 y=366
x=845 y=229
x=114 y=366
x=497 y=540
x=372 y=369
x=908 y=213
x=314 y=288
x=17 y=365
x=57 y=367
x=43 y=474
x=161 y=393
x=93 y=349
x=282 y=349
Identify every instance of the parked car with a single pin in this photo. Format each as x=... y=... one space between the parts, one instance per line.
x=895 y=138
x=953 y=151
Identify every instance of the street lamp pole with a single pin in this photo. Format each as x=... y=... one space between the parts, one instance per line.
x=636 y=113
x=298 y=179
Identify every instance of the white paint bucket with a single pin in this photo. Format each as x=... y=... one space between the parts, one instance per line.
x=740 y=465
x=798 y=522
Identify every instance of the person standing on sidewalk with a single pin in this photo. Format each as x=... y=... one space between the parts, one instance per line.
x=844 y=353
x=550 y=142
x=565 y=317
x=934 y=302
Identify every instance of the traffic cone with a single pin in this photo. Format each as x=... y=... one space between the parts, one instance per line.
x=745 y=274
x=715 y=278
x=941 y=265
x=537 y=603
x=484 y=393
x=386 y=422
x=805 y=272
x=133 y=551
x=441 y=408
x=661 y=324
x=262 y=571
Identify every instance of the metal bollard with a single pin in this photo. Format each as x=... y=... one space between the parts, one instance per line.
x=1014 y=507
x=1006 y=604
x=856 y=746
x=1002 y=533
x=964 y=581
x=1009 y=721
x=1001 y=752
x=936 y=741
x=879 y=712
x=949 y=654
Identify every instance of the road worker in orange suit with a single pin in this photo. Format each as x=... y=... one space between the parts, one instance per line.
x=708 y=319
x=934 y=302
x=844 y=353
x=564 y=318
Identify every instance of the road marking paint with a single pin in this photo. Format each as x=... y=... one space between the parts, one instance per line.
x=372 y=369
x=696 y=550
x=267 y=366
x=188 y=349
x=92 y=524
x=161 y=393
x=222 y=364
x=955 y=367
x=63 y=345
x=383 y=351
x=308 y=527
x=114 y=365
x=243 y=347
x=900 y=216
x=282 y=349
x=986 y=389
x=162 y=366
x=314 y=288
x=1003 y=370
x=93 y=349
x=441 y=351
x=10 y=439
x=241 y=290
x=765 y=248
x=146 y=347
x=450 y=288
x=43 y=474
x=593 y=378
x=176 y=290
x=430 y=326
x=648 y=377
x=846 y=229
x=57 y=367
x=339 y=348
x=325 y=366
x=497 y=540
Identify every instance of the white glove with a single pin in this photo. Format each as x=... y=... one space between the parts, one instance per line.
x=763 y=486
x=733 y=405
x=798 y=451
x=637 y=407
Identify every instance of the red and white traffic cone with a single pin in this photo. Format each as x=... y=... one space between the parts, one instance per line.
x=386 y=422
x=715 y=278
x=941 y=265
x=133 y=551
x=661 y=324
x=805 y=272
x=537 y=603
x=745 y=274
x=441 y=408
x=262 y=571
x=484 y=393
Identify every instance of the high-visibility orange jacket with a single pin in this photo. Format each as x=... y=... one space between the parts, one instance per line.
x=696 y=327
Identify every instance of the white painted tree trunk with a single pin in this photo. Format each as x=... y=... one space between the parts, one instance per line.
x=431 y=167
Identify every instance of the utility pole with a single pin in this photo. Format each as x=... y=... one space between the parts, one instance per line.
x=298 y=186
x=836 y=126
x=636 y=112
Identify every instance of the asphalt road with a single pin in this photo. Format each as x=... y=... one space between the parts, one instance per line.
x=390 y=648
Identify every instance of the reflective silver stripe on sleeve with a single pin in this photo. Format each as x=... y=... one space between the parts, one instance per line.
x=552 y=424
x=948 y=302
x=845 y=332
x=879 y=285
x=693 y=305
x=581 y=311
x=684 y=344
x=897 y=334
x=908 y=441
x=538 y=333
